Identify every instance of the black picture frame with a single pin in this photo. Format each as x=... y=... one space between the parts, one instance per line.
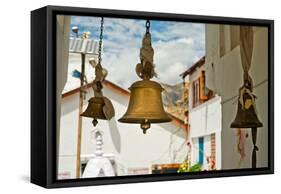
x=43 y=101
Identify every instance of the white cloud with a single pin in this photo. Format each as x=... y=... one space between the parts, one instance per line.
x=177 y=45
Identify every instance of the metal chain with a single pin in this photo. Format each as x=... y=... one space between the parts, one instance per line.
x=100 y=41
x=147 y=25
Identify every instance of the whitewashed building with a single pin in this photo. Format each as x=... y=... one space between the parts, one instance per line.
x=204 y=118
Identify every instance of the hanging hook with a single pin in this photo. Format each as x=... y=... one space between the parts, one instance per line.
x=147 y=25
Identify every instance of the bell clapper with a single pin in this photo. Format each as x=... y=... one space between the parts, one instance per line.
x=145 y=126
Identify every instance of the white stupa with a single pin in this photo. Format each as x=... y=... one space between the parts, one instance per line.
x=99 y=166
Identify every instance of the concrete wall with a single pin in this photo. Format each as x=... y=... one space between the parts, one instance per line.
x=205 y=118
x=224 y=75
x=163 y=143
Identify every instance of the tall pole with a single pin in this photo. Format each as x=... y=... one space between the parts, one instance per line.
x=79 y=130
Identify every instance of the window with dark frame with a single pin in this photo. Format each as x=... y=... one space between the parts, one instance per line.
x=199 y=90
x=196 y=94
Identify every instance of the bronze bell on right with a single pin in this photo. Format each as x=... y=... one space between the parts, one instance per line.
x=246 y=116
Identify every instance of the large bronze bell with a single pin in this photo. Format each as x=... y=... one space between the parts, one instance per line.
x=145 y=105
x=246 y=116
x=95 y=109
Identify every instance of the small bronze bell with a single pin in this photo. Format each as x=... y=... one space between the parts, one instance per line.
x=246 y=116
x=95 y=109
x=145 y=105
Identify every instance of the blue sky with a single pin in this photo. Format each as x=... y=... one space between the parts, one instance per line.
x=177 y=45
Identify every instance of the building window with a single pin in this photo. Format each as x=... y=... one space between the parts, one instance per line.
x=200 y=90
x=196 y=95
x=201 y=150
x=203 y=87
